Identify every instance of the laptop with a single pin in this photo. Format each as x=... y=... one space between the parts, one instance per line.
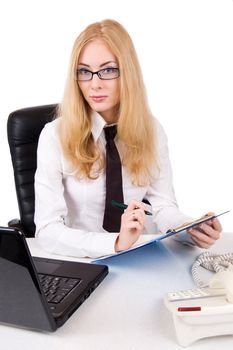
x=38 y=293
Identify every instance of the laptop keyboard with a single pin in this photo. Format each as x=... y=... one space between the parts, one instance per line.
x=57 y=288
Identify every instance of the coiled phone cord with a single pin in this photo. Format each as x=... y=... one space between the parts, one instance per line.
x=213 y=262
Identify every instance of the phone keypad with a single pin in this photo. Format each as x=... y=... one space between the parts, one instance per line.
x=188 y=294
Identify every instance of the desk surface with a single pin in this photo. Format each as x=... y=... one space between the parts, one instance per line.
x=126 y=311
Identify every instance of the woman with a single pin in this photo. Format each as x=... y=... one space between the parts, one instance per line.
x=104 y=88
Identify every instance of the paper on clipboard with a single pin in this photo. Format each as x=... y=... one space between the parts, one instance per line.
x=194 y=223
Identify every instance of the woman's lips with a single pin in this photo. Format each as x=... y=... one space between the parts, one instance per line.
x=98 y=98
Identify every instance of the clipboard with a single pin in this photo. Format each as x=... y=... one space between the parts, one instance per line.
x=146 y=239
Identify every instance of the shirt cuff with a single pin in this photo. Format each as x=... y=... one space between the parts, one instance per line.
x=62 y=240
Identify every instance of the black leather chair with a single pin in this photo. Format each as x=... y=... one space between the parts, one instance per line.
x=23 y=129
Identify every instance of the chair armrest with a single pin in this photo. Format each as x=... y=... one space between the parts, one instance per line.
x=16 y=223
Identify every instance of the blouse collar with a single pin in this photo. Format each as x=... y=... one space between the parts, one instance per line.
x=98 y=123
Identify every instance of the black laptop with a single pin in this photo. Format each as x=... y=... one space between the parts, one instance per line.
x=38 y=293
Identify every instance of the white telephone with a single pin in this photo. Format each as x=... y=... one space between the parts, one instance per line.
x=207 y=310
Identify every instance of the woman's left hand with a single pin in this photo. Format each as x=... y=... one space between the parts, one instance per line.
x=205 y=234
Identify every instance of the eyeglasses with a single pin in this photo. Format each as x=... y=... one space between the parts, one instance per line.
x=104 y=74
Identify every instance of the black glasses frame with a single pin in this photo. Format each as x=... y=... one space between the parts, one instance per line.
x=98 y=73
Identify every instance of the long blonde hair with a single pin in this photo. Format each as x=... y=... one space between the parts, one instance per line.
x=136 y=125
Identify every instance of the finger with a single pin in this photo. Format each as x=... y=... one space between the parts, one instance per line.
x=202 y=238
x=133 y=225
x=138 y=215
x=214 y=222
x=209 y=231
x=133 y=204
x=133 y=213
x=141 y=217
x=201 y=244
x=217 y=225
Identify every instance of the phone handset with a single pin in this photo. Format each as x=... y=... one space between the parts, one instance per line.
x=222 y=264
x=223 y=280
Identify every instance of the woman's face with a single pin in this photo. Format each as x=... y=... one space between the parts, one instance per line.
x=103 y=96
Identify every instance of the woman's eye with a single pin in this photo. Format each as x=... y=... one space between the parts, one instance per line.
x=108 y=70
x=83 y=71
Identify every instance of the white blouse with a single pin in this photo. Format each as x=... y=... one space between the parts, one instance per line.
x=69 y=212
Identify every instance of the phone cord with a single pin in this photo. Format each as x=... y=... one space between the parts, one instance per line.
x=213 y=262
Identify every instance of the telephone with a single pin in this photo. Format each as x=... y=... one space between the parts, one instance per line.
x=208 y=309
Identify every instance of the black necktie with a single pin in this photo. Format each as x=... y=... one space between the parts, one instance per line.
x=112 y=215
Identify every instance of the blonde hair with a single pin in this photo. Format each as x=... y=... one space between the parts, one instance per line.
x=136 y=125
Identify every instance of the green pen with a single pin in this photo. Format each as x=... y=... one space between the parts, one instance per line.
x=124 y=206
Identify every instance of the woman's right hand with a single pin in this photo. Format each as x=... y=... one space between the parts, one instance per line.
x=132 y=224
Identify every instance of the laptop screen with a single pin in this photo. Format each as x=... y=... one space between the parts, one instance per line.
x=21 y=301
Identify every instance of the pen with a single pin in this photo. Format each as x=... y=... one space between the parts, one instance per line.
x=124 y=206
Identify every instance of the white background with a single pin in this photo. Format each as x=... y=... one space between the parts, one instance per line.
x=185 y=48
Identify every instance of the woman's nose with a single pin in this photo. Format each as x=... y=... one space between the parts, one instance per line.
x=96 y=82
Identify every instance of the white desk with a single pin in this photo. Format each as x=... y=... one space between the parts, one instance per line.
x=126 y=311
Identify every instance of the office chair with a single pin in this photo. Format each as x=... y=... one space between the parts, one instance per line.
x=23 y=129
